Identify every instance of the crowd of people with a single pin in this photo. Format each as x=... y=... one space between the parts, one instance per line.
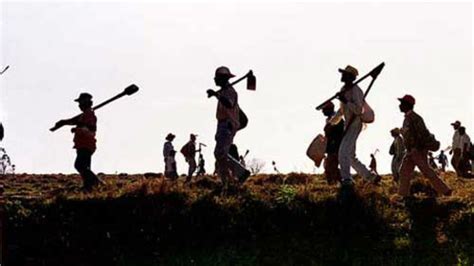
x=413 y=144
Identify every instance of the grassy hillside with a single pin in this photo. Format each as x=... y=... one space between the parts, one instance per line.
x=295 y=219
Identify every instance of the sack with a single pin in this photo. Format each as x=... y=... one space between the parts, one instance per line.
x=431 y=143
x=317 y=149
x=185 y=151
x=368 y=115
x=243 y=119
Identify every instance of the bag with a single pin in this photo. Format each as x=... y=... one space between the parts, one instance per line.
x=185 y=151
x=368 y=115
x=431 y=143
x=317 y=149
x=243 y=119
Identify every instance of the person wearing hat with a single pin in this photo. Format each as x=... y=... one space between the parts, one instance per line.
x=351 y=100
x=189 y=153
x=456 y=148
x=227 y=116
x=168 y=155
x=397 y=150
x=333 y=134
x=464 y=165
x=443 y=160
x=415 y=136
x=84 y=139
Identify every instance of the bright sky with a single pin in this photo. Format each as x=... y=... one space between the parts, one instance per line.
x=57 y=50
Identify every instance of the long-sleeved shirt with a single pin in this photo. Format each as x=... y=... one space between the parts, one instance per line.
x=414 y=131
x=352 y=109
x=167 y=148
x=398 y=148
x=464 y=142
x=456 y=140
x=84 y=133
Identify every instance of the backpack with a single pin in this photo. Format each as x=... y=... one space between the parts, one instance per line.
x=243 y=119
x=431 y=143
x=368 y=115
x=185 y=150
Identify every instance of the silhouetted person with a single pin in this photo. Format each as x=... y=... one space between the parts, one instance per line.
x=333 y=134
x=373 y=164
x=168 y=154
x=443 y=161
x=202 y=163
x=189 y=152
x=84 y=139
x=352 y=101
x=397 y=150
x=456 y=148
x=416 y=137
x=431 y=161
x=227 y=115
x=464 y=165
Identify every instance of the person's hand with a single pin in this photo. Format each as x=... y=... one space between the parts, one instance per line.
x=59 y=124
x=341 y=98
x=450 y=152
x=211 y=93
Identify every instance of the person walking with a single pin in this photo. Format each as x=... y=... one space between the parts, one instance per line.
x=351 y=99
x=189 y=152
x=201 y=163
x=333 y=134
x=456 y=148
x=84 y=139
x=443 y=161
x=464 y=165
x=431 y=161
x=417 y=140
x=373 y=164
x=227 y=115
x=397 y=150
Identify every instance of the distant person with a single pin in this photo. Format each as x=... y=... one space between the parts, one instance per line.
x=397 y=150
x=443 y=161
x=373 y=164
x=333 y=134
x=171 y=171
x=189 y=152
x=202 y=164
x=227 y=115
x=416 y=137
x=168 y=150
x=242 y=161
x=352 y=101
x=431 y=161
x=464 y=165
x=84 y=139
x=456 y=148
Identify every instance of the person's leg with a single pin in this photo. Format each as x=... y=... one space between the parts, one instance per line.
x=224 y=137
x=455 y=161
x=346 y=150
x=421 y=160
x=353 y=133
x=192 y=168
x=407 y=170
x=331 y=168
x=81 y=165
x=90 y=175
x=395 y=169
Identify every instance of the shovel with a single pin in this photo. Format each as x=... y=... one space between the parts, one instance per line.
x=251 y=81
x=128 y=91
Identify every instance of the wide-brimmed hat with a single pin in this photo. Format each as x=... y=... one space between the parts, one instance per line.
x=224 y=71
x=84 y=97
x=408 y=99
x=170 y=136
x=350 y=69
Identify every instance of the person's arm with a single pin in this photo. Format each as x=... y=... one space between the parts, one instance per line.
x=67 y=122
x=221 y=98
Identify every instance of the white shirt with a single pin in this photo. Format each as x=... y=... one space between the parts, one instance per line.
x=456 y=141
x=463 y=140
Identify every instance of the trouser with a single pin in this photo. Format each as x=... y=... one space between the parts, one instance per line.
x=347 y=155
x=455 y=160
x=192 y=166
x=396 y=164
x=83 y=166
x=331 y=168
x=224 y=138
x=419 y=158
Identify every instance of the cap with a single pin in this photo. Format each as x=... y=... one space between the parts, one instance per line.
x=408 y=99
x=395 y=131
x=193 y=135
x=224 y=71
x=350 y=69
x=84 y=97
x=456 y=123
x=328 y=105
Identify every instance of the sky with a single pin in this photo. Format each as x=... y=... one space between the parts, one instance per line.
x=57 y=50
